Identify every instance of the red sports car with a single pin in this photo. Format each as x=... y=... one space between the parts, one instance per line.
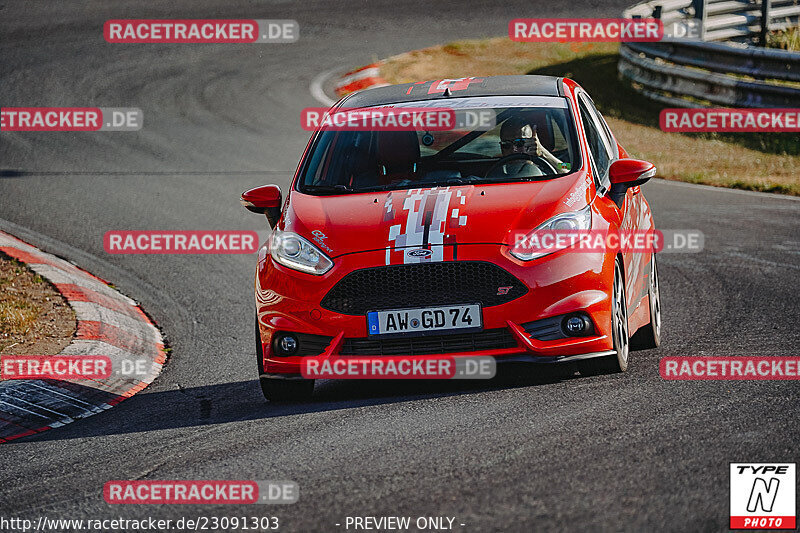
x=412 y=242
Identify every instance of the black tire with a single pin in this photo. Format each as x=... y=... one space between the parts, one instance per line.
x=277 y=389
x=618 y=362
x=649 y=336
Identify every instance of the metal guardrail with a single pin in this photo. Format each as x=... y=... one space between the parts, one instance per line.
x=718 y=89
x=723 y=19
x=759 y=63
x=698 y=73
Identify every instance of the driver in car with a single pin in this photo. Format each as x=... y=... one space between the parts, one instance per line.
x=517 y=136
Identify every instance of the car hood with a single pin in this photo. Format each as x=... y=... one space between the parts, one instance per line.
x=431 y=217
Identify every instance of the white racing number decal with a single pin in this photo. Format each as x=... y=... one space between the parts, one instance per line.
x=429 y=216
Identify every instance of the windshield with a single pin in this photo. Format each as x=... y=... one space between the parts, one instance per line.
x=529 y=138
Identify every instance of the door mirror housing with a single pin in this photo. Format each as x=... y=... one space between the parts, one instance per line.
x=627 y=173
x=630 y=172
x=264 y=200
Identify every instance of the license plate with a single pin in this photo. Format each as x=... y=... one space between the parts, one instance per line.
x=425 y=319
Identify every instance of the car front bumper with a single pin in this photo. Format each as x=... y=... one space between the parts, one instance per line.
x=558 y=284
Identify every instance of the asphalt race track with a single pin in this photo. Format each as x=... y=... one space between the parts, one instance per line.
x=524 y=452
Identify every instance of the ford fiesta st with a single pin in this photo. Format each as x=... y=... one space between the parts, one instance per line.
x=408 y=242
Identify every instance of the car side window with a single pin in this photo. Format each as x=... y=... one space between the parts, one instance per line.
x=604 y=129
x=597 y=145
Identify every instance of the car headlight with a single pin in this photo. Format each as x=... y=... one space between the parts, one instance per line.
x=567 y=224
x=295 y=252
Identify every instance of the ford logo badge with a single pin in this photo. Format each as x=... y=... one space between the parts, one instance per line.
x=419 y=252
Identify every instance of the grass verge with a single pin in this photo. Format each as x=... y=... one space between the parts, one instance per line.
x=34 y=318
x=788 y=39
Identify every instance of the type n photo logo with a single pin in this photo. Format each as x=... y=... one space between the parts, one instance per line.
x=763 y=495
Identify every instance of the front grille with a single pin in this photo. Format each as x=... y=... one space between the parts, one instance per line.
x=308 y=344
x=489 y=339
x=421 y=285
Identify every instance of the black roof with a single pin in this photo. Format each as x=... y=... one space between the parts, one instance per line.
x=476 y=86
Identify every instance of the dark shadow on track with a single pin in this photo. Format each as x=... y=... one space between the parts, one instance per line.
x=241 y=401
x=11 y=173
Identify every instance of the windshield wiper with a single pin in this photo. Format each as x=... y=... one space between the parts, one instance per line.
x=406 y=184
x=449 y=181
x=329 y=189
x=543 y=177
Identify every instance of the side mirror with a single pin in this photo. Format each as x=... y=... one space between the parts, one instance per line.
x=264 y=200
x=627 y=173
x=630 y=172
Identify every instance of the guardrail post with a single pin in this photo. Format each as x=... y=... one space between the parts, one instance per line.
x=700 y=15
x=766 y=16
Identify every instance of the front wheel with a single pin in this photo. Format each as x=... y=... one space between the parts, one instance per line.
x=280 y=390
x=611 y=364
